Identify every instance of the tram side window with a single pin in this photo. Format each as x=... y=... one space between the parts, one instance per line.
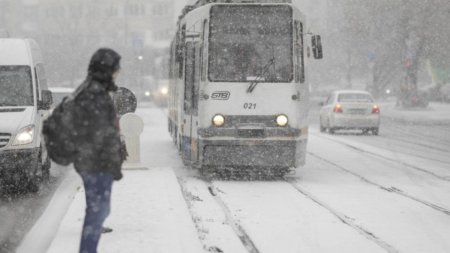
x=181 y=51
x=189 y=76
x=299 y=53
x=205 y=45
x=197 y=75
x=172 y=60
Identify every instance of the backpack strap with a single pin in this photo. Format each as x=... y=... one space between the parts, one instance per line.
x=81 y=88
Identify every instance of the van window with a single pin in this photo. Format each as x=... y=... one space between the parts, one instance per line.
x=16 y=87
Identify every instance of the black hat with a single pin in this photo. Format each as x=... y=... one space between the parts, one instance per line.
x=103 y=64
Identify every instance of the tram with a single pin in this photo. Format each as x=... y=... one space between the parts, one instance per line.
x=238 y=90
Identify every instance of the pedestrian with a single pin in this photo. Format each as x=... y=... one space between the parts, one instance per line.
x=99 y=157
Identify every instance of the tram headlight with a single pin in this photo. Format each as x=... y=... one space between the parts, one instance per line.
x=282 y=120
x=218 y=120
x=164 y=91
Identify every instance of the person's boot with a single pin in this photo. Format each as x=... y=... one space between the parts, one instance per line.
x=106 y=230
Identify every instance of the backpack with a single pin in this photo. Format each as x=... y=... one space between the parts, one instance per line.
x=60 y=132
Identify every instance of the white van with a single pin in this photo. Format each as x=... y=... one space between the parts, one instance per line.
x=24 y=103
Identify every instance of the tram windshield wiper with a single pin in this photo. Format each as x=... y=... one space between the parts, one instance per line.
x=261 y=75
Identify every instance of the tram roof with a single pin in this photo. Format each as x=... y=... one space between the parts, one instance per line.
x=192 y=4
x=203 y=2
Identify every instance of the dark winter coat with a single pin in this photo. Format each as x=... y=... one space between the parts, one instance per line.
x=99 y=145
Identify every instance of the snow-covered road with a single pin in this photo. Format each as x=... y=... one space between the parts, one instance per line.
x=18 y=212
x=357 y=193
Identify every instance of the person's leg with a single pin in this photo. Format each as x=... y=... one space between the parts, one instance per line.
x=98 y=193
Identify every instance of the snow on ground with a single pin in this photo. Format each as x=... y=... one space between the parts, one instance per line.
x=343 y=200
x=435 y=113
x=148 y=215
x=280 y=219
x=41 y=235
x=431 y=166
x=211 y=223
x=404 y=224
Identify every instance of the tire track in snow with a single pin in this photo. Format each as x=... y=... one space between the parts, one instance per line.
x=391 y=189
x=343 y=218
x=379 y=156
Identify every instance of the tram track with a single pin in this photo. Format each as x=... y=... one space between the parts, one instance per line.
x=407 y=144
x=418 y=133
x=342 y=217
x=422 y=144
x=346 y=219
x=388 y=189
x=249 y=245
x=245 y=238
x=237 y=228
x=383 y=157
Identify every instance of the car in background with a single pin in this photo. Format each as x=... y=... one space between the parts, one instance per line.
x=350 y=109
x=160 y=92
x=59 y=93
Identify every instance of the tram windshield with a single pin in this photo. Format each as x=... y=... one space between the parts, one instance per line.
x=251 y=43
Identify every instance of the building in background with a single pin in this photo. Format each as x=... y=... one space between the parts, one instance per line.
x=70 y=31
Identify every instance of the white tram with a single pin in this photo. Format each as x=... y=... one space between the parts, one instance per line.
x=238 y=95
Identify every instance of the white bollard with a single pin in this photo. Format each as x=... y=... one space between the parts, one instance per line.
x=131 y=127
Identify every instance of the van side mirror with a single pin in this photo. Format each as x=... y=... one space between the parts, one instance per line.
x=317 y=47
x=47 y=100
x=321 y=103
x=124 y=101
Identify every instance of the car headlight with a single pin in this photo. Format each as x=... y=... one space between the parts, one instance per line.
x=282 y=120
x=218 y=120
x=24 y=136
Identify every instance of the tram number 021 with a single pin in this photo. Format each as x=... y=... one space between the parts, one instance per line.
x=250 y=106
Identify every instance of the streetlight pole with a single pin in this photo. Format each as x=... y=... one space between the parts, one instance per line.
x=139 y=78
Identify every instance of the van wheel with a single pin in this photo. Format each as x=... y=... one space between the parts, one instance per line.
x=45 y=165
x=46 y=169
x=332 y=130
x=34 y=182
x=42 y=173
